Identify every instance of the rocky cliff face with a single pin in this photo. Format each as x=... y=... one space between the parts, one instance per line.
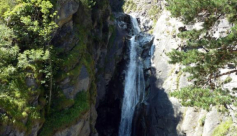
x=82 y=46
x=86 y=30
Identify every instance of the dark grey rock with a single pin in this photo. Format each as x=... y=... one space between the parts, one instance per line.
x=231 y=66
x=109 y=105
x=10 y=131
x=147 y=63
x=82 y=84
x=182 y=29
x=35 y=130
x=157 y=117
x=81 y=128
x=31 y=82
x=83 y=80
x=145 y=40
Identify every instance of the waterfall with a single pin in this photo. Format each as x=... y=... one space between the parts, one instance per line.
x=134 y=85
x=135 y=25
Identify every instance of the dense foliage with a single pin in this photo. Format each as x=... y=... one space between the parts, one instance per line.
x=209 y=10
x=25 y=32
x=59 y=120
x=203 y=98
x=32 y=22
x=6 y=5
x=204 y=55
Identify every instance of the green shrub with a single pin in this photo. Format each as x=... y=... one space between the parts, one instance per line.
x=88 y=3
x=204 y=66
x=153 y=12
x=59 y=120
x=227 y=80
x=223 y=128
x=202 y=120
x=60 y=102
x=6 y=5
x=32 y=22
x=203 y=98
x=178 y=79
x=129 y=5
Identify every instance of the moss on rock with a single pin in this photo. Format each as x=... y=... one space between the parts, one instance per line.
x=223 y=128
x=59 y=120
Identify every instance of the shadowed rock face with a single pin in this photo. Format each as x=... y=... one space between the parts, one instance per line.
x=82 y=84
x=109 y=59
x=116 y=5
x=110 y=90
x=109 y=104
x=156 y=116
x=109 y=108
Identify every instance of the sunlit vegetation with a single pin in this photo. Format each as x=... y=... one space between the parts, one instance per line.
x=198 y=97
x=223 y=128
x=66 y=117
x=129 y=5
x=204 y=66
x=25 y=60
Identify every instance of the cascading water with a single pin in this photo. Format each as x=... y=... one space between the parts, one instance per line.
x=134 y=85
x=135 y=25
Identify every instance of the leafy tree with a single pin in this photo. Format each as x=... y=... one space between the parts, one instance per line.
x=32 y=22
x=25 y=54
x=6 y=5
x=203 y=55
x=8 y=54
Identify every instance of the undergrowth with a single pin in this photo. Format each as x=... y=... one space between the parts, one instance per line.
x=66 y=117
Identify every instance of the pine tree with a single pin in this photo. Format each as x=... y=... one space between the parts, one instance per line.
x=204 y=66
x=204 y=55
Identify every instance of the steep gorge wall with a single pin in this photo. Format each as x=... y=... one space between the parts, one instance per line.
x=84 y=39
x=85 y=62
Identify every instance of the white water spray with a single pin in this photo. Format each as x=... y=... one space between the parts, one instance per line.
x=134 y=85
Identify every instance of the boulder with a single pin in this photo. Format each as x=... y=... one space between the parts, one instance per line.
x=145 y=40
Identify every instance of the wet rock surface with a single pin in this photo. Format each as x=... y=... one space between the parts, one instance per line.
x=109 y=107
x=110 y=89
x=163 y=115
